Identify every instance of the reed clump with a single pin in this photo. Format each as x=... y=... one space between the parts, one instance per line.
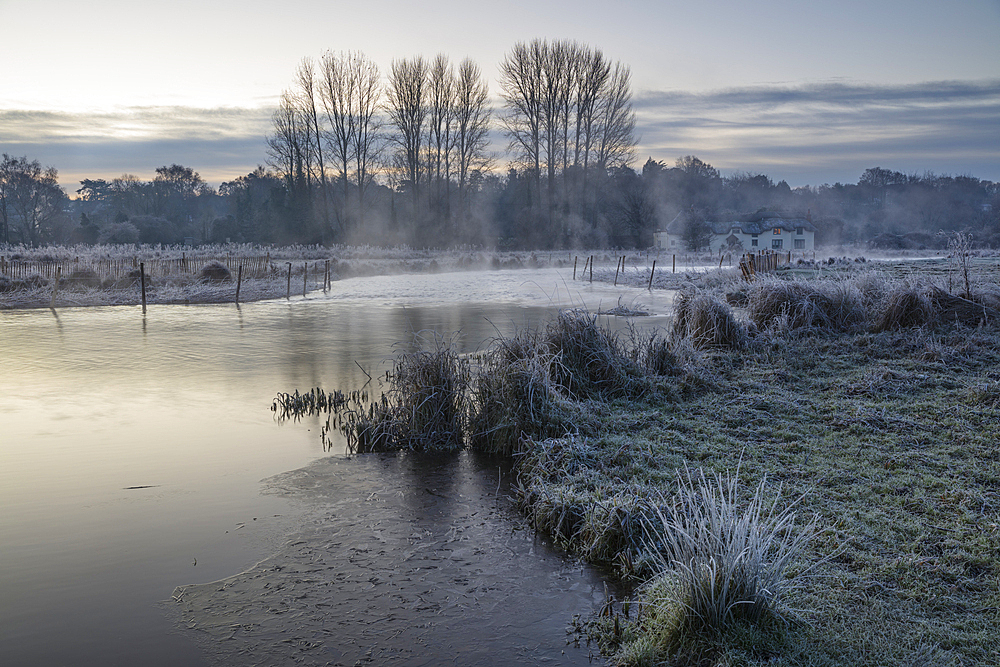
x=904 y=305
x=591 y=360
x=423 y=409
x=513 y=396
x=835 y=305
x=315 y=401
x=707 y=321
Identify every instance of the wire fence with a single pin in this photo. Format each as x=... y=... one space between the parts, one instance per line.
x=259 y=266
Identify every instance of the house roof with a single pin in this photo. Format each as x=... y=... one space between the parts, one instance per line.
x=758 y=226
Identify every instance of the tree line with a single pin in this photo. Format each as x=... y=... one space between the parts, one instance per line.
x=424 y=136
x=408 y=157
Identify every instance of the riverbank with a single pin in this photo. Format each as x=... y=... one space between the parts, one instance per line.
x=869 y=404
x=77 y=276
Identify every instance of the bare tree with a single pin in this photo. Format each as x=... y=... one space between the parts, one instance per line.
x=440 y=117
x=286 y=150
x=307 y=93
x=351 y=92
x=522 y=90
x=592 y=74
x=616 y=119
x=368 y=140
x=406 y=104
x=472 y=124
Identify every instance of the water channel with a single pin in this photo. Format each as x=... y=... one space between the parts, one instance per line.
x=154 y=512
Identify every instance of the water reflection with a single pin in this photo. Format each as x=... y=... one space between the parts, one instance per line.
x=404 y=560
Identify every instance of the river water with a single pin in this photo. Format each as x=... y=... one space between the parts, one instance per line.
x=139 y=454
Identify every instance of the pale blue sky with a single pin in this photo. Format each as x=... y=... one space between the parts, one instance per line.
x=806 y=92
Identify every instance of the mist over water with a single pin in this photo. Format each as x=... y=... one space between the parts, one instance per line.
x=133 y=448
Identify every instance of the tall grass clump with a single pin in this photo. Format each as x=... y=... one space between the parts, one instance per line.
x=707 y=321
x=904 y=305
x=834 y=305
x=513 y=395
x=725 y=562
x=591 y=360
x=423 y=408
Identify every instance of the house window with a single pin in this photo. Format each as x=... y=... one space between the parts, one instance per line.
x=777 y=231
x=800 y=244
x=753 y=242
x=753 y=236
x=776 y=244
x=798 y=231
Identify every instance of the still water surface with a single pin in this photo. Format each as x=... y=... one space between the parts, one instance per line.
x=132 y=449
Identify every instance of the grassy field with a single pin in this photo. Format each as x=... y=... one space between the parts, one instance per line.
x=891 y=439
x=870 y=397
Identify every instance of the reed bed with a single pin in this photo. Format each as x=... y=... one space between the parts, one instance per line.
x=834 y=305
x=592 y=360
x=514 y=395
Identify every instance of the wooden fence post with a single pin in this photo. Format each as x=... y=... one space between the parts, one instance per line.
x=55 y=287
x=239 y=282
x=288 y=288
x=142 y=285
x=651 y=272
x=575 y=260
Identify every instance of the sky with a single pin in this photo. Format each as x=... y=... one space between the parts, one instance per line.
x=805 y=92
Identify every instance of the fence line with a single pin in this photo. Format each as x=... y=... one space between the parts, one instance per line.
x=258 y=266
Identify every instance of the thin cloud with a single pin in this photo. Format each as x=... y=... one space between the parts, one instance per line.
x=809 y=134
x=830 y=131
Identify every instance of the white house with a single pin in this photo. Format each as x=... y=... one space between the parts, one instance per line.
x=766 y=231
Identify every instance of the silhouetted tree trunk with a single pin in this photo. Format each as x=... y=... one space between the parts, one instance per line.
x=472 y=124
x=406 y=104
x=307 y=91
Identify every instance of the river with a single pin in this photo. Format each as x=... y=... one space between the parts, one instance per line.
x=138 y=453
